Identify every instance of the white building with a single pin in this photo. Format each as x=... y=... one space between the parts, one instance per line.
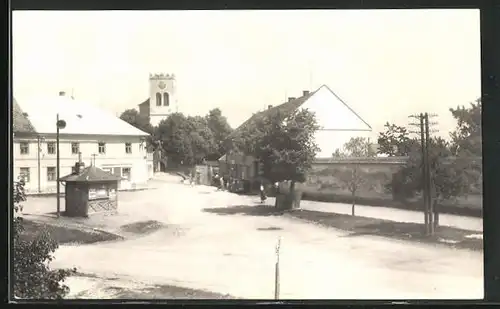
x=102 y=139
x=337 y=121
x=162 y=99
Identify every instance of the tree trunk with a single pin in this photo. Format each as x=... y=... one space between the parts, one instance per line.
x=289 y=201
x=353 y=203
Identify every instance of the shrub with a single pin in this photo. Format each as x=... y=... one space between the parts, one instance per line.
x=32 y=277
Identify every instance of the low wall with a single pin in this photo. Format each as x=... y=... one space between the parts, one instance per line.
x=330 y=174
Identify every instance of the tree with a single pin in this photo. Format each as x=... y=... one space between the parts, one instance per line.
x=284 y=145
x=354 y=178
x=356 y=147
x=201 y=138
x=448 y=173
x=133 y=117
x=467 y=143
x=186 y=140
x=32 y=277
x=174 y=134
x=220 y=129
x=394 y=141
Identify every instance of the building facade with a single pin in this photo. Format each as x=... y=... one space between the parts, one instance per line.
x=116 y=147
x=162 y=99
x=338 y=123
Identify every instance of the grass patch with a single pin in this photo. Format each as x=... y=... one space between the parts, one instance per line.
x=448 y=236
x=143 y=227
x=166 y=292
x=260 y=210
x=460 y=209
x=64 y=234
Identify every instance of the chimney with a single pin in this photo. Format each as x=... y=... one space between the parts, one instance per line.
x=290 y=99
x=79 y=166
x=62 y=93
x=269 y=106
x=305 y=92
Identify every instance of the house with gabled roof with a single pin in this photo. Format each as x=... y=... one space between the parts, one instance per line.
x=337 y=120
x=101 y=138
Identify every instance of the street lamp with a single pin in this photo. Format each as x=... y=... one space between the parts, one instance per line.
x=60 y=124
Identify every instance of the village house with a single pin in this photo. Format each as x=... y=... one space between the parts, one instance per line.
x=338 y=124
x=102 y=140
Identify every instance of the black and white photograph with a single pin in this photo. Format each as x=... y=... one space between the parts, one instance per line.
x=247 y=154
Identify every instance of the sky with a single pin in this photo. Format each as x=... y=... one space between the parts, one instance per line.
x=385 y=64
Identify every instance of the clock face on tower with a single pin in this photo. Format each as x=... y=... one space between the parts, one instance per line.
x=162 y=85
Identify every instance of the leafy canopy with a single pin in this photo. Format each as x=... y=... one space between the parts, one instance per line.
x=283 y=144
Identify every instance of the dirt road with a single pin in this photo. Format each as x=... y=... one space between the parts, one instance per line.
x=235 y=254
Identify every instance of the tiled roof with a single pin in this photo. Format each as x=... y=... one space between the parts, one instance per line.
x=91 y=174
x=284 y=109
x=20 y=122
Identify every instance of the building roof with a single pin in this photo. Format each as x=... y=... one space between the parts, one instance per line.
x=145 y=103
x=289 y=107
x=91 y=174
x=81 y=117
x=20 y=123
x=284 y=109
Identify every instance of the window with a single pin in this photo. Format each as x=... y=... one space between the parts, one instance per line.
x=107 y=170
x=102 y=148
x=24 y=147
x=25 y=173
x=51 y=148
x=128 y=147
x=75 y=148
x=51 y=173
x=158 y=99
x=126 y=172
x=166 y=99
x=73 y=170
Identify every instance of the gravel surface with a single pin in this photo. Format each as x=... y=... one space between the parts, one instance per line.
x=235 y=254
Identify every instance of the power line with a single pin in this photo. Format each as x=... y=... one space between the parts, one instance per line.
x=431 y=215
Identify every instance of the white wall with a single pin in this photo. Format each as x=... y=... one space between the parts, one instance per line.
x=115 y=156
x=337 y=122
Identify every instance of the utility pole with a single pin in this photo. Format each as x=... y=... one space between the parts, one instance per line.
x=427 y=179
x=430 y=179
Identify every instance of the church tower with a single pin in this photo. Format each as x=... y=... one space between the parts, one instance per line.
x=162 y=97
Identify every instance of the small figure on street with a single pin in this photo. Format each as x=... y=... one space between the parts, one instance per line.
x=277 y=191
x=263 y=196
x=221 y=180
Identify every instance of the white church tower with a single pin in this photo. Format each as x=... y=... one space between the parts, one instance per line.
x=162 y=97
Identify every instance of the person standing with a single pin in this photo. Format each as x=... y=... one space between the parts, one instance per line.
x=277 y=192
x=221 y=181
x=263 y=196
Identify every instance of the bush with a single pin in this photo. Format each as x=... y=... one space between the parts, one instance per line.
x=32 y=276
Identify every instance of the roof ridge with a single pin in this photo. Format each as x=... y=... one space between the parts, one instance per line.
x=346 y=105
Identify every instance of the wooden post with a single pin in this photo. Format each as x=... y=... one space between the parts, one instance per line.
x=277 y=271
x=428 y=176
x=424 y=174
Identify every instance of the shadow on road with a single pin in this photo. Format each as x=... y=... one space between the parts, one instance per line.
x=362 y=226
x=260 y=210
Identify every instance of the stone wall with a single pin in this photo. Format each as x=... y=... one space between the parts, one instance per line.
x=327 y=174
